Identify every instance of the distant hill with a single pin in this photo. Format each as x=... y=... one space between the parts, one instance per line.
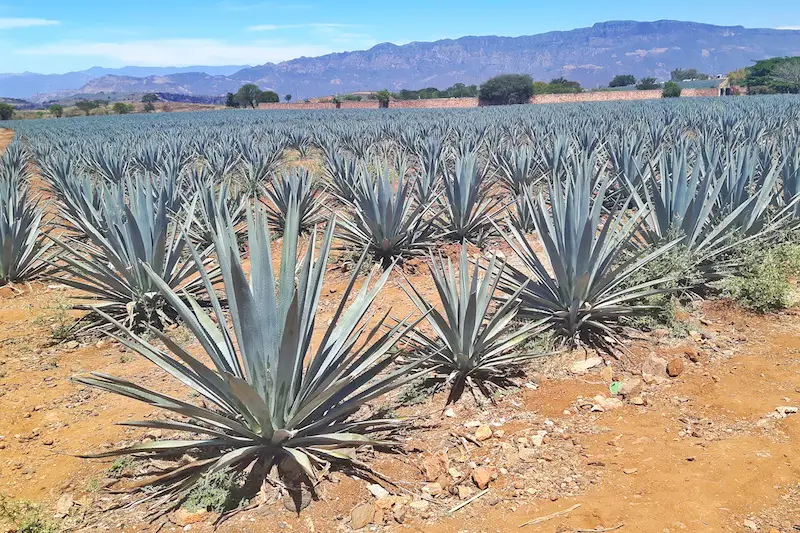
x=29 y=84
x=591 y=56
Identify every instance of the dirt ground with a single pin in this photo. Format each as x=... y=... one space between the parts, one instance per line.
x=707 y=450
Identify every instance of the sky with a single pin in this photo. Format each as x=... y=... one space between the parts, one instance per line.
x=55 y=36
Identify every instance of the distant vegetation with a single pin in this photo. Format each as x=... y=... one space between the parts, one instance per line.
x=506 y=89
x=623 y=80
x=646 y=84
x=771 y=76
x=680 y=74
x=671 y=90
x=457 y=90
x=6 y=111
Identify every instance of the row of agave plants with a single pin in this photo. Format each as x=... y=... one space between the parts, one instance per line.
x=148 y=227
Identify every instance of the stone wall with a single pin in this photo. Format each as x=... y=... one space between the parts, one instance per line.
x=442 y=103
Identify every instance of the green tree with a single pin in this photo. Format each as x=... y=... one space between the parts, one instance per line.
x=6 y=111
x=623 y=80
x=149 y=107
x=646 y=84
x=288 y=97
x=121 y=108
x=680 y=74
x=87 y=105
x=150 y=98
x=506 y=89
x=671 y=90
x=248 y=95
x=383 y=97
x=56 y=110
x=268 y=97
x=230 y=100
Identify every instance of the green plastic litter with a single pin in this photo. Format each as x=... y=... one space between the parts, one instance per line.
x=615 y=387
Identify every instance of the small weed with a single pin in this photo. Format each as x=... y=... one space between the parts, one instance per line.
x=55 y=316
x=417 y=392
x=93 y=485
x=121 y=466
x=765 y=281
x=124 y=358
x=214 y=493
x=26 y=517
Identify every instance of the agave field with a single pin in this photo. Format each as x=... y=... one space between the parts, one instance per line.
x=311 y=304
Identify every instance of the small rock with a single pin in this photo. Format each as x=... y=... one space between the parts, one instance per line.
x=528 y=455
x=692 y=354
x=482 y=476
x=606 y=404
x=72 y=345
x=420 y=505
x=399 y=513
x=432 y=467
x=607 y=374
x=537 y=440
x=362 y=515
x=48 y=442
x=630 y=386
x=675 y=367
x=638 y=400
x=630 y=470
x=434 y=489
x=580 y=367
x=472 y=424
x=654 y=369
x=63 y=505
x=464 y=492
x=786 y=410
x=749 y=524
x=483 y=433
x=378 y=491
x=450 y=413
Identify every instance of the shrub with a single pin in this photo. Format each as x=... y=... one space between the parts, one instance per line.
x=26 y=517
x=214 y=493
x=268 y=97
x=622 y=80
x=671 y=90
x=646 y=84
x=506 y=89
x=56 y=110
x=121 y=108
x=765 y=281
x=6 y=111
x=383 y=97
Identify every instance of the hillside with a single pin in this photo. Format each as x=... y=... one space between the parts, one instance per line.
x=591 y=56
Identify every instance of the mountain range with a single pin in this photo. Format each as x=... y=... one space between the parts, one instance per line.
x=591 y=56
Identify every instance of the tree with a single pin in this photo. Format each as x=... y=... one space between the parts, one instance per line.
x=788 y=72
x=646 y=84
x=383 y=97
x=248 y=95
x=56 y=110
x=506 y=89
x=288 y=97
x=230 y=100
x=149 y=107
x=6 y=111
x=671 y=90
x=87 y=105
x=121 y=108
x=622 y=80
x=150 y=98
x=680 y=74
x=268 y=97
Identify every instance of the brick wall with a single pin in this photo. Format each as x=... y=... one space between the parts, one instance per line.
x=442 y=103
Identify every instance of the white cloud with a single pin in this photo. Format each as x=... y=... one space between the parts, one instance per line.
x=313 y=25
x=14 y=23
x=182 y=52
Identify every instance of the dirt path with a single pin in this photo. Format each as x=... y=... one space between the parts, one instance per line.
x=5 y=138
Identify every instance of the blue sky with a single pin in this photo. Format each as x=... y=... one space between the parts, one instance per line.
x=55 y=36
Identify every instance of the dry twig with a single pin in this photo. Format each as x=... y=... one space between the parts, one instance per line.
x=550 y=516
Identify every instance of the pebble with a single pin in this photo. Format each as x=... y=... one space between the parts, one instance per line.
x=362 y=515
x=675 y=367
x=483 y=433
x=378 y=491
x=482 y=476
x=580 y=367
x=630 y=470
